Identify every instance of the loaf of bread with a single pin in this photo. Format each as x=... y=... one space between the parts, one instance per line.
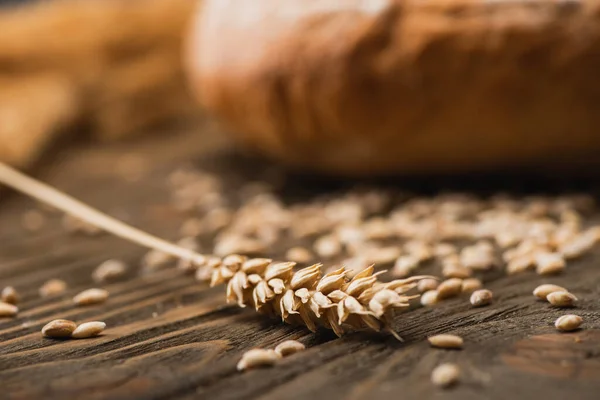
x=364 y=87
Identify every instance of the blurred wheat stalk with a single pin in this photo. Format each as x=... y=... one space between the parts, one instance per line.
x=112 y=67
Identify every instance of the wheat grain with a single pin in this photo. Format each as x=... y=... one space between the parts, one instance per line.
x=449 y=288
x=549 y=263
x=470 y=285
x=561 y=299
x=289 y=347
x=446 y=341
x=299 y=254
x=59 y=328
x=8 y=310
x=543 y=291
x=88 y=330
x=568 y=323
x=90 y=297
x=9 y=295
x=327 y=246
x=481 y=298
x=425 y=285
x=109 y=270
x=429 y=298
x=257 y=358
x=445 y=375
x=53 y=287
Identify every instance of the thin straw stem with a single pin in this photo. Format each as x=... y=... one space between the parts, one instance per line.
x=47 y=194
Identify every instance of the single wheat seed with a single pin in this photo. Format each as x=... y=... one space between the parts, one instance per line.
x=543 y=291
x=59 y=328
x=561 y=299
x=470 y=285
x=299 y=255
x=549 y=263
x=449 y=288
x=429 y=298
x=445 y=375
x=481 y=298
x=446 y=341
x=52 y=287
x=427 y=284
x=91 y=296
x=109 y=270
x=257 y=358
x=8 y=310
x=327 y=246
x=289 y=347
x=9 y=295
x=88 y=330
x=568 y=323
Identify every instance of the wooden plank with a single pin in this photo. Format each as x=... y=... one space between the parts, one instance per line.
x=171 y=337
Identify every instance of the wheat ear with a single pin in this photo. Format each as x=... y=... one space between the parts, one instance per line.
x=303 y=297
x=307 y=297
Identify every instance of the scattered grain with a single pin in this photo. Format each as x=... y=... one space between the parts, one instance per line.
x=91 y=296
x=470 y=285
x=327 y=246
x=53 y=287
x=561 y=299
x=481 y=298
x=109 y=270
x=449 y=288
x=404 y=266
x=257 y=358
x=429 y=298
x=446 y=341
x=543 y=291
x=456 y=271
x=549 y=263
x=59 y=328
x=289 y=347
x=8 y=310
x=568 y=323
x=299 y=254
x=88 y=330
x=445 y=375
x=155 y=259
x=9 y=295
x=427 y=284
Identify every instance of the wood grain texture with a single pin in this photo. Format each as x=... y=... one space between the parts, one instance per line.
x=171 y=337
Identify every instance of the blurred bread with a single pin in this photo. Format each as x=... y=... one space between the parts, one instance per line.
x=381 y=86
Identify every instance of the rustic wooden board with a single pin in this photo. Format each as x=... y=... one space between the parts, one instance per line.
x=171 y=337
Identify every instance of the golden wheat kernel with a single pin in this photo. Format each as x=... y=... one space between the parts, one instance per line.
x=9 y=295
x=299 y=254
x=404 y=266
x=33 y=220
x=470 y=285
x=549 y=263
x=52 y=287
x=59 y=328
x=91 y=296
x=442 y=250
x=480 y=298
x=289 y=347
x=327 y=246
x=382 y=255
x=446 y=341
x=429 y=298
x=544 y=290
x=156 y=259
x=579 y=245
x=427 y=284
x=8 y=310
x=520 y=264
x=257 y=358
x=561 y=299
x=456 y=271
x=109 y=270
x=88 y=329
x=506 y=239
x=568 y=323
x=445 y=375
x=449 y=288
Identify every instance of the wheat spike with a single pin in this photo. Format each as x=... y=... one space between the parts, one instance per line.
x=307 y=297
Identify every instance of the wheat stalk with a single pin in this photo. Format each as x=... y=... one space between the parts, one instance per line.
x=307 y=297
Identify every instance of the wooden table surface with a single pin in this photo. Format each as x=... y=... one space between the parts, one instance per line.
x=169 y=336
